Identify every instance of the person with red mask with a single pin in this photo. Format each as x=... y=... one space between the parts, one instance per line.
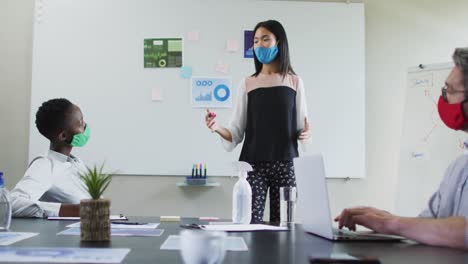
x=445 y=221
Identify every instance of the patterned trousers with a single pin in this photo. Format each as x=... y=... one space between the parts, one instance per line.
x=272 y=175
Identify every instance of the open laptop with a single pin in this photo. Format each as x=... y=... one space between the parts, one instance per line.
x=314 y=205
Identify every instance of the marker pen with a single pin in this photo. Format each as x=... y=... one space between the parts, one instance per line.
x=201 y=168
x=193 y=170
x=205 y=171
x=211 y=115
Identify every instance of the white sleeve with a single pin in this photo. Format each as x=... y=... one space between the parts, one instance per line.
x=301 y=105
x=25 y=196
x=238 y=119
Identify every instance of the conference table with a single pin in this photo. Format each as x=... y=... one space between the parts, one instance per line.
x=294 y=246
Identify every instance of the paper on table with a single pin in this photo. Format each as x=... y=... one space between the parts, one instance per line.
x=63 y=255
x=146 y=226
x=8 y=238
x=232 y=243
x=112 y=217
x=75 y=231
x=243 y=228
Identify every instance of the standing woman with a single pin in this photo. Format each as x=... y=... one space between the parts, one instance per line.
x=271 y=114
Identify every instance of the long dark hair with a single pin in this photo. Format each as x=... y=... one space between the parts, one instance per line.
x=277 y=29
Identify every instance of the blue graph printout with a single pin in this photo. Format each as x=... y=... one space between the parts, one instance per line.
x=75 y=231
x=63 y=255
x=8 y=238
x=211 y=91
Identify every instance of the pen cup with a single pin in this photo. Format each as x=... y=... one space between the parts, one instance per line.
x=202 y=247
x=288 y=198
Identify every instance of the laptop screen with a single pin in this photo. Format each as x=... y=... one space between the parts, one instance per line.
x=313 y=203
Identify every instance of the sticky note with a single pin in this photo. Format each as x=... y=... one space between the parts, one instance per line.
x=222 y=67
x=169 y=218
x=156 y=94
x=186 y=72
x=208 y=218
x=232 y=45
x=194 y=35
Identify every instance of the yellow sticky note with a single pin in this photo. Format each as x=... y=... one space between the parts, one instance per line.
x=169 y=218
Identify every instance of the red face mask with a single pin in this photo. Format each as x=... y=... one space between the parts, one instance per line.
x=451 y=114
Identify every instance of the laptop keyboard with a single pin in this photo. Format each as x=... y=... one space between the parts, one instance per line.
x=345 y=234
x=342 y=234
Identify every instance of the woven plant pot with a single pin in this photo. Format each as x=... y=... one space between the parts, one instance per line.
x=94 y=217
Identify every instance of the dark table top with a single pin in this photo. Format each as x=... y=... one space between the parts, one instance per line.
x=294 y=246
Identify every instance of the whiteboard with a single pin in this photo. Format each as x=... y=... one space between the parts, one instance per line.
x=91 y=52
x=427 y=145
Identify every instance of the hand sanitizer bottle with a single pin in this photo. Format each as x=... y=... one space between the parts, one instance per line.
x=242 y=195
x=5 y=206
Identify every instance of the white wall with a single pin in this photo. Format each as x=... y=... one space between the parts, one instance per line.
x=16 y=18
x=399 y=34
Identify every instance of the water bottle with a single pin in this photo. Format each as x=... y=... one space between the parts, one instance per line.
x=242 y=195
x=5 y=206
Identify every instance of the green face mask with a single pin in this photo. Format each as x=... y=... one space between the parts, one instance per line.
x=79 y=140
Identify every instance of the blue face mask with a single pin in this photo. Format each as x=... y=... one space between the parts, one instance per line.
x=266 y=55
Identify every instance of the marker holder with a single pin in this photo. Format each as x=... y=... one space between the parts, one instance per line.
x=195 y=181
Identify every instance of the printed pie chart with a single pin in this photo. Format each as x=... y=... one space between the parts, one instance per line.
x=221 y=92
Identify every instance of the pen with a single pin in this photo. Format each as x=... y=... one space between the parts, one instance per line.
x=192 y=226
x=196 y=170
x=193 y=169
x=201 y=174
x=205 y=171
x=128 y=223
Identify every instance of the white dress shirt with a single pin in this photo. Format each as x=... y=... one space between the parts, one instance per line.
x=49 y=182
x=239 y=116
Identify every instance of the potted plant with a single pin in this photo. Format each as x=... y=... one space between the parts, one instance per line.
x=95 y=212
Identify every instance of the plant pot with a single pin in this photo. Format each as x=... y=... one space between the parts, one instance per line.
x=94 y=217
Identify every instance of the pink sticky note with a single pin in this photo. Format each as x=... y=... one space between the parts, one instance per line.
x=194 y=35
x=156 y=94
x=222 y=67
x=232 y=45
x=208 y=218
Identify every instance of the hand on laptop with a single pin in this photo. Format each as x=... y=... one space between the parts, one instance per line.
x=378 y=220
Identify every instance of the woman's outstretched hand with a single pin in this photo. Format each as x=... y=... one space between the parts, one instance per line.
x=210 y=120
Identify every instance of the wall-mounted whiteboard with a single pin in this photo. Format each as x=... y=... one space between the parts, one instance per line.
x=427 y=145
x=91 y=52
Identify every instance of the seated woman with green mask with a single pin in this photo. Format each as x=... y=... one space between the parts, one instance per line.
x=51 y=185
